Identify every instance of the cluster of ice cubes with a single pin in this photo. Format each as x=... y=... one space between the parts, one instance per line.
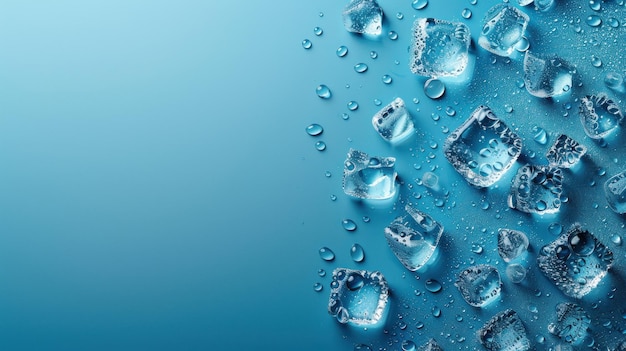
x=599 y=115
x=615 y=192
x=565 y=152
x=571 y=323
x=504 y=332
x=358 y=297
x=537 y=189
x=363 y=17
x=369 y=177
x=393 y=122
x=479 y=285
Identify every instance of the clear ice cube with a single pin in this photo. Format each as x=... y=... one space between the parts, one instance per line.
x=413 y=238
x=363 y=17
x=504 y=332
x=366 y=177
x=358 y=297
x=483 y=148
x=565 y=152
x=439 y=47
x=537 y=189
x=393 y=122
x=599 y=115
x=511 y=244
x=431 y=345
x=615 y=192
x=575 y=262
x=571 y=323
x=503 y=27
x=547 y=76
x=479 y=285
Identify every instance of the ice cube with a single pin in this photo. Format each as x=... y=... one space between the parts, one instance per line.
x=439 y=47
x=479 y=285
x=599 y=115
x=511 y=244
x=565 y=152
x=364 y=17
x=393 y=122
x=571 y=323
x=431 y=345
x=368 y=177
x=504 y=332
x=413 y=238
x=483 y=148
x=358 y=297
x=503 y=27
x=537 y=189
x=575 y=262
x=547 y=76
x=615 y=192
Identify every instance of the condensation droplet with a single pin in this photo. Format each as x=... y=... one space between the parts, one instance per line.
x=323 y=91
x=434 y=88
x=357 y=253
x=419 y=4
x=342 y=51
x=314 y=129
x=327 y=254
x=348 y=225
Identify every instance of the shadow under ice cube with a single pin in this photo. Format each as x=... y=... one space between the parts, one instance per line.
x=503 y=27
x=537 y=189
x=547 y=76
x=615 y=192
x=363 y=17
x=483 y=148
x=504 y=332
x=565 y=152
x=393 y=122
x=358 y=297
x=571 y=323
x=599 y=115
x=479 y=285
x=368 y=177
x=575 y=262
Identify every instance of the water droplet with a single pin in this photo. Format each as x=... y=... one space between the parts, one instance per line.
x=333 y=197
x=366 y=219
x=450 y=111
x=399 y=15
x=357 y=253
x=436 y=311
x=540 y=135
x=523 y=45
x=508 y=108
x=595 y=5
x=434 y=88
x=318 y=287
x=362 y=347
x=408 y=345
x=321 y=272
x=342 y=51
x=320 y=146
x=616 y=239
x=419 y=4
x=314 y=129
x=327 y=254
x=345 y=116
x=473 y=2
x=318 y=31
x=433 y=286
x=348 y=225
x=393 y=35
x=594 y=20
x=373 y=54
x=477 y=249
x=466 y=13
x=596 y=61
x=353 y=105
x=323 y=91
x=360 y=67
x=377 y=102
x=387 y=79
x=613 y=22
x=307 y=44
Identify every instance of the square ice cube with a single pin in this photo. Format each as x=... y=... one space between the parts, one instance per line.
x=547 y=76
x=599 y=115
x=368 y=177
x=571 y=323
x=504 y=332
x=358 y=297
x=615 y=192
x=479 y=285
x=393 y=122
x=537 y=189
x=503 y=27
x=483 y=148
x=439 y=47
x=363 y=17
x=565 y=152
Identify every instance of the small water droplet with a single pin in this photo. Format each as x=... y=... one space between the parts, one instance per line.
x=477 y=249
x=327 y=174
x=540 y=135
x=508 y=108
x=408 y=345
x=595 y=5
x=362 y=347
x=333 y=197
x=555 y=228
x=327 y=254
x=318 y=31
x=360 y=67
x=419 y=4
x=318 y=287
x=466 y=13
x=387 y=79
x=433 y=285
x=399 y=15
x=450 y=111
x=321 y=272
x=357 y=253
x=353 y=105
x=314 y=129
x=616 y=239
x=434 y=88
x=342 y=51
x=348 y=225
x=320 y=146
x=323 y=91
x=307 y=44
x=596 y=61
x=436 y=311
x=594 y=20
x=373 y=54
x=377 y=102
x=393 y=35
x=345 y=116
x=613 y=22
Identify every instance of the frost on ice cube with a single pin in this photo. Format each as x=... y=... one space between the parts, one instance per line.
x=575 y=262
x=599 y=115
x=413 y=238
x=358 y=297
x=537 y=189
x=483 y=148
x=393 y=122
x=479 y=285
x=439 y=47
x=615 y=192
x=571 y=323
x=504 y=332
x=565 y=152
x=547 y=76
x=431 y=345
x=503 y=27
x=368 y=177
x=363 y=17
x=511 y=244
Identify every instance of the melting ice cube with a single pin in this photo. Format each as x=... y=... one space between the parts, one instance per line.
x=575 y=262
x=615 y=192
x=504 y=332
x=358 y=297
x=413 y=238
x=547 y=76
x=393 y=122
x=599 y=115
x=439 y=47
x=565 y=152
x=368 y=177
x=511 y=244
x=364 y=17
x=431 y=345
x=503 y=27
x=537 y=189
x=479 y=285
x=571 y=323
x=483 y=148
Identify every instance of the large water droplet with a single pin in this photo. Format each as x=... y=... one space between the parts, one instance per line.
x=307 y=44
x=323 y=91
x=433 y=285
x=419 y=4
x=595 y=5
x=613 y=22
x=594 y=20
x=314 y=129
x=355 y=281
x=342 y=51
x=327 y=254
x=348 y=225
x=434 y=88
x=353 y=105
x=360 y=67
x=357 y=253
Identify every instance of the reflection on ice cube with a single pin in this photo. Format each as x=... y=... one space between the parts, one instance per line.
x=503 y=28
x=615 y=192
x=537 y=189
x=504 y=332
x=393 y=122
x=364 y=17
x=547 y=76
x=599 y=115
x=368 y=177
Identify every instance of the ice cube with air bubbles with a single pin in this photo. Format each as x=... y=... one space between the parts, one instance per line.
x=511 y=244
x=483 y=148
x=363 y=17
x=439 y=48
x=393 y=122
x=547 y=75
x=599 y=115
x=504 y=332
x=565 y=152
x=430 y=345
x=369 y=177
x=537 y=189
x=615 y=192
x=575 y=262
x=503 y=28
x=479 y=285
x=571 y=323
x=414 y=238
x=358 y=297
